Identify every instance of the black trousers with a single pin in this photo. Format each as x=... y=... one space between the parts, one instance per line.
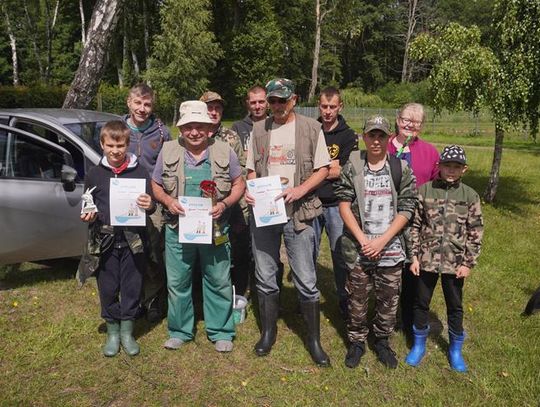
x=119 y=282
x=453 y=295
x=407 y=297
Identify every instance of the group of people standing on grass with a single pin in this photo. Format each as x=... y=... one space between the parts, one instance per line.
x=396 y=214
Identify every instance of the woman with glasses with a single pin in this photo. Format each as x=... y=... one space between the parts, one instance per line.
x=422 y=158
x=406 y=144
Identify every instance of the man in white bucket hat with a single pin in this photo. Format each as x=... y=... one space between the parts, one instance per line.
x=181 y=167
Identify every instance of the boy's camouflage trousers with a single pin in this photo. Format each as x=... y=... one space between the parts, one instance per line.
x=386 y=281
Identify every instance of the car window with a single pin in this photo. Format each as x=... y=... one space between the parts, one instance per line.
x=27 y=158
x=89 y=132
x=48 y=134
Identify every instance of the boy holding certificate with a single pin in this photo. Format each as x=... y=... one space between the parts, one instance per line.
x=120 y=249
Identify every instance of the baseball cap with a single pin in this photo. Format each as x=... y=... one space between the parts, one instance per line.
x=210 y=96
x=280 y=88
x=453 y=154
x=193 y=111
x=377 y=122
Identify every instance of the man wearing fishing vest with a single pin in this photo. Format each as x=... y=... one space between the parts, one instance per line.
x=181 y=167
x=293 y=147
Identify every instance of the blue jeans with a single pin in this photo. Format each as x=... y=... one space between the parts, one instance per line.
x=300 y=247
x=331 y=221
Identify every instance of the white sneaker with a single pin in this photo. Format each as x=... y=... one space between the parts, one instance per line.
x=173 y=343
x=224 y=346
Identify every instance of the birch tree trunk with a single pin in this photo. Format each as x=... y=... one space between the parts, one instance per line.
x=13 y=45
x=319 y=18
x=83 y=23
x=49 y=26
x=92 y=63
x=411 y=24
x=32 y=29
x=316 y=51
x=493 y=183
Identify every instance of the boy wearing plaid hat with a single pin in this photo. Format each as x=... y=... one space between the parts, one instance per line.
x=446 y=238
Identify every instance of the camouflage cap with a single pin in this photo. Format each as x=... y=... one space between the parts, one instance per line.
x=377 y=122
x=280 y=87
x=210 y=96
x=453 y=154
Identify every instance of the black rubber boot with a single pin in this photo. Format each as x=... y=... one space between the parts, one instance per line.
x=310 y=310
x=268 y=313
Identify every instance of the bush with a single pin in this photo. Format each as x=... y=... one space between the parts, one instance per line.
x=355 y=97
x=36 y=96
x=397 y=94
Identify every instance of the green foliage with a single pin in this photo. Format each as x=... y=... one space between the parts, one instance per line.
x=185 y=52
x=464 y=71
x=397 y=94
x=256 y=53
x=36 y=96
x=354 y=97
x=518 y=25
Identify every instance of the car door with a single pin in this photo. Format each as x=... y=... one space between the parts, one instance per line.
x=39 y=201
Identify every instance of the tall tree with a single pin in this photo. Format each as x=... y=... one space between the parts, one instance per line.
x=12 y=43
x=411 y=25
x=185 y=52
x=467 y=75
x=322 y=9
x=92 y=63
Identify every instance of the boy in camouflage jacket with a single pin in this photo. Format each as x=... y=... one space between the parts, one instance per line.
x=377 y=197
x=446 y=237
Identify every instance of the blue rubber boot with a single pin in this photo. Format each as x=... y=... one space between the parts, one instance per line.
x=455 y=356
x=419 y=348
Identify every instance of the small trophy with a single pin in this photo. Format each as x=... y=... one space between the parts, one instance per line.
x=88 y=202
x=208 y=189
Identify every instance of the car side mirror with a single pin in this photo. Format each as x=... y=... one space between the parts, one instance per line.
x=68 y=177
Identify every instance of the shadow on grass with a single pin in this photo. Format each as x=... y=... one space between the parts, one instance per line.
x=513 y=193
x=26 y=274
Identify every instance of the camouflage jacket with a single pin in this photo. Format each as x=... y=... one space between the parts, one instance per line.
x=447 y=228
x=240 y=211
x=230 y=137
x=350 y=188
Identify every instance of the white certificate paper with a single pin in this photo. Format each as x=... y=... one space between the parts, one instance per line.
x=196 y=225
x=267 y=211
x=123 y=196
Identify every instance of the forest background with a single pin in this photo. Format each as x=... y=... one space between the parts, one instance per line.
x=185 y=47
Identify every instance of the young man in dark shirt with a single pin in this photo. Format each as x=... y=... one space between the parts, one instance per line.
x=340 y=140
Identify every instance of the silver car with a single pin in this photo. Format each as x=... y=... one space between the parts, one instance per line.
x=44 y=155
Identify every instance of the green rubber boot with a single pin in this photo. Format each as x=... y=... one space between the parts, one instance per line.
x=112 y=346
x=131 y=347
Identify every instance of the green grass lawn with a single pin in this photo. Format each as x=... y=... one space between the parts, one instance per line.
x=50 y=338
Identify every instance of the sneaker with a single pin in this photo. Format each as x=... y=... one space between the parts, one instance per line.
x=173 y=343
x=224 y=346
x=385 y=354
x=354 y=354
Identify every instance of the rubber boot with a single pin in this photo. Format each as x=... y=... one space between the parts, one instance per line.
x=419 y=348
x=310 y=310
x=112 y=346
x=455 y=356
x=268 y=314
x=131 y=347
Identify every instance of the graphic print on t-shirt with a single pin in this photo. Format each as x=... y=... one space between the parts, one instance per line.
x=281 y=154
x=379 y=214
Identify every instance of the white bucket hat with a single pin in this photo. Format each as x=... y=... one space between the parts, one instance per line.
x=193 y=111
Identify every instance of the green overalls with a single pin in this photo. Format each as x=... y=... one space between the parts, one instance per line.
x=215 y=263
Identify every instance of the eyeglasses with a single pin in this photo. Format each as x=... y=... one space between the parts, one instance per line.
x=281 y=101
x=408 y=120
